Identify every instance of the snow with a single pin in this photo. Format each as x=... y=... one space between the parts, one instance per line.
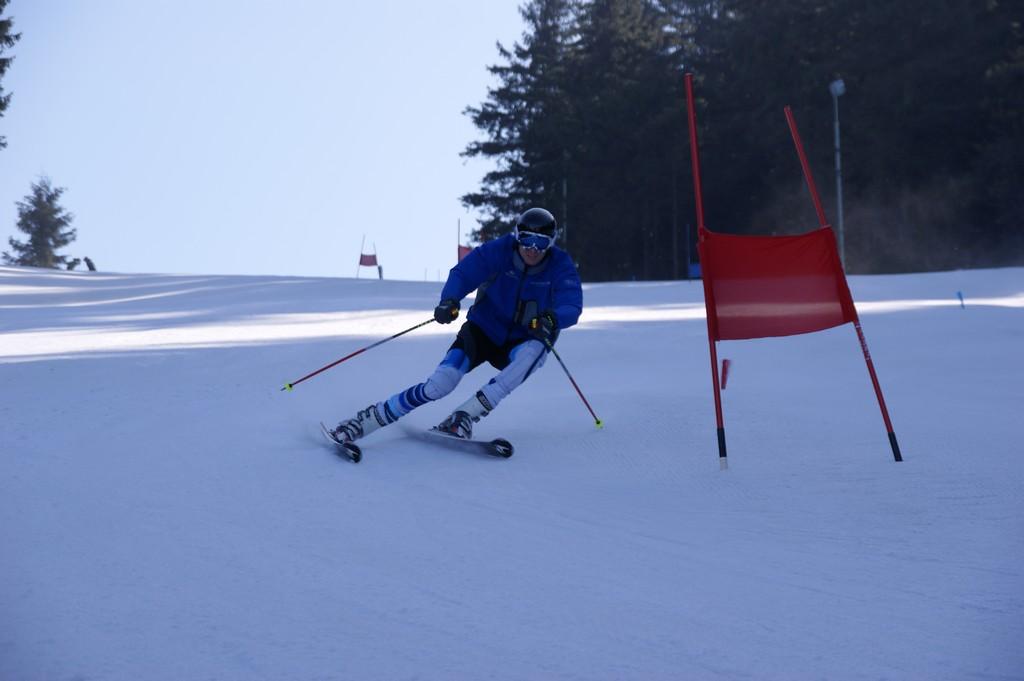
x=167 y=512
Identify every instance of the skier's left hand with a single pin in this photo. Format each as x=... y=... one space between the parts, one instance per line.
x=544 y=327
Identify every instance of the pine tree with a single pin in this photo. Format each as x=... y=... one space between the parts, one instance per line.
x=7 y=40
x=47 y=225
x=584 y=123
x=526 y=119
x=626 y=82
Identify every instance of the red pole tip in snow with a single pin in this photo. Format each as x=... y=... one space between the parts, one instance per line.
x=725 y=371
x=895 y=447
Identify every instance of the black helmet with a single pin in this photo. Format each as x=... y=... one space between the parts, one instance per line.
x=536 y=229
x=538 y=221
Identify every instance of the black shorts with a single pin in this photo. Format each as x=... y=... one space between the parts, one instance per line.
x=479 y=348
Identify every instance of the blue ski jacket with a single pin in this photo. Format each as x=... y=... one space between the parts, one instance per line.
x=510 y=294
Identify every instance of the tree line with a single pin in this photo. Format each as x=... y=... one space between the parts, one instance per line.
x=588 y=119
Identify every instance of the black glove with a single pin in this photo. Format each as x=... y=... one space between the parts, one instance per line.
x=544 y=327
x=447 y=311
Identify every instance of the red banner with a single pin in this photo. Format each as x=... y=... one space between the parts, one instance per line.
x=464 y=251
x=368 y=260
x=764 y=286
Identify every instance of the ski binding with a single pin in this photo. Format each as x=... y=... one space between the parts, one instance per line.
x=347 y=449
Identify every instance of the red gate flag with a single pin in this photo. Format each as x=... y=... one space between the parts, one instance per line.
x=464 y=251
x=758 y=286
x=368 y=260
x=764 y=286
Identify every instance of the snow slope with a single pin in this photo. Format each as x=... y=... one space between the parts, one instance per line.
x=166 y=512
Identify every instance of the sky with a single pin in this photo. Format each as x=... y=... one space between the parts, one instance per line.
x=261 y=137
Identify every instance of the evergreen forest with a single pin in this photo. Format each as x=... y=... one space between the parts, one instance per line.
x=587 y=117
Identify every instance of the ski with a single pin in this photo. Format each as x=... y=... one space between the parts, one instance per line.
x=499 y=447
x=347 y=449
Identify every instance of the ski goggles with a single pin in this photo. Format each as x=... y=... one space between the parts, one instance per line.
x=534 y=241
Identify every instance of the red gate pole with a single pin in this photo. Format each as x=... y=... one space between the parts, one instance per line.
x=806 y=168
x=848 y=299
x=709 y=301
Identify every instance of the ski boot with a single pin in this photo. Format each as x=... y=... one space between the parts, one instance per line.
x=364 y=423
x=459 y=425
x=347 y=432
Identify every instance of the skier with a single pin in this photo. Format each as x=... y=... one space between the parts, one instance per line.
x=528 y=290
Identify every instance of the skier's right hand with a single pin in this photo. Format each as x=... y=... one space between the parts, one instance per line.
x=447 y=311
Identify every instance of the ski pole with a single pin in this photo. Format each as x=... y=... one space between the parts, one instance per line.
x=597 y=422
x=289 y=386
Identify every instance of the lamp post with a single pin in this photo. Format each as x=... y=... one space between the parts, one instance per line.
x=838 y=88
